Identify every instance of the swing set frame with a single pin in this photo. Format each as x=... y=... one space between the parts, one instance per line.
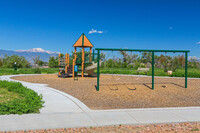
x=141 y=50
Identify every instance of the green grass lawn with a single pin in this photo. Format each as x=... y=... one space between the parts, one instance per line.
x=11 y=71
x=17 y=99
x=6 y=96
x=192 y=72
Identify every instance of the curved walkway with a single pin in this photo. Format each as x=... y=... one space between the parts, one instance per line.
x=64 y=111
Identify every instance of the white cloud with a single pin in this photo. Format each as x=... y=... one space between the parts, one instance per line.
x=100 y=32
x=198 y=42
x=95 y=31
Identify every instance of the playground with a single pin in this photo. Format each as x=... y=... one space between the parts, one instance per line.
x=80 y=76
x=90 y=84
x=168 y=92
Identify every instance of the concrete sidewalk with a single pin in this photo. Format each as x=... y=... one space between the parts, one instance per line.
x=64 y=111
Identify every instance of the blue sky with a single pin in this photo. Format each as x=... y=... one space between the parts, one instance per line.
x=138 y=24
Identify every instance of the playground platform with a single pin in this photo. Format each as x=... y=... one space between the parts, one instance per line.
x=64 y=111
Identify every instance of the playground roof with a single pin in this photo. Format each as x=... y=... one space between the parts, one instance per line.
x=83 y=41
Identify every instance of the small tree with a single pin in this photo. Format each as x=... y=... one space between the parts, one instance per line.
x=36 y=59
x=181 y=60
x=163 y=61
x=174 y=64
x=102 y=57
x=41 y=63
x=146 y=57
x=193 y=62
x=53 y=62
x=1 y=62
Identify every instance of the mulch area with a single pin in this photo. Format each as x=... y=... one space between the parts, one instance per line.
x=159 y=128
x=122 y=92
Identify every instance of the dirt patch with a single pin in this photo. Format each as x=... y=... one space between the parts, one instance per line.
x=120 y=92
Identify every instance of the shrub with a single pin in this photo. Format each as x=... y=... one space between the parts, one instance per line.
x=37 y=71
x=29 y=101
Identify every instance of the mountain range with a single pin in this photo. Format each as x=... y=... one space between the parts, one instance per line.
x=45 y=54
x=30 y=54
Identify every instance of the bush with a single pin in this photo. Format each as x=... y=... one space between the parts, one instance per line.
x=37 y=71
x=29 y=101
x=178 y=74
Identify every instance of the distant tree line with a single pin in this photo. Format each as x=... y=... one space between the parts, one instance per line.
x=123 y=60
x=128 y=60
x=9 y=62
x=21 y=62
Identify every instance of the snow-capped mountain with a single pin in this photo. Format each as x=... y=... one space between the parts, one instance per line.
x=37 y=50
x=30 y=54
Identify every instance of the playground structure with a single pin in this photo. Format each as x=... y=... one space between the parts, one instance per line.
x=85 y=60
x=120 y=61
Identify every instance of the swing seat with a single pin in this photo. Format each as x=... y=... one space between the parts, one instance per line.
x=113 y=87
x=131 y=87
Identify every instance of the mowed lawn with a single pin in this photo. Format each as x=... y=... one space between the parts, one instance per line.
x=6 y=96
x=192 y=72
x=11 y=71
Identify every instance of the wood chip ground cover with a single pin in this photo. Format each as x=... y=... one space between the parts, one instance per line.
x=113 y=94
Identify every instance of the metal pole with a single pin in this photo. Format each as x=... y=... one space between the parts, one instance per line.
x=98 y=58
x=186 y=60
x=152 y=70
x=93 y=55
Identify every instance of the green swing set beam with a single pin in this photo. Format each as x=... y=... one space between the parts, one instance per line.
x=141 y=50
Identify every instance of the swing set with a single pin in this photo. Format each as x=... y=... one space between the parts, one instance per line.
x=139 y=69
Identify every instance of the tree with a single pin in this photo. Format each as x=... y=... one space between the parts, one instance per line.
x=181 y=60
x=175 y=63
x=132 y=58
x=146 y=57
x=21 y=62
x=41 y=63
x=102 y=57
x=53 y=62
x=36 y=59
x=193 y=62
x=125 y=55
x=1 y=62
x=163 y=61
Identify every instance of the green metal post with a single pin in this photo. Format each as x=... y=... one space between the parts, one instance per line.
x=186 y=61
x=98 y=58
x=93 y=55
x=152 y=70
